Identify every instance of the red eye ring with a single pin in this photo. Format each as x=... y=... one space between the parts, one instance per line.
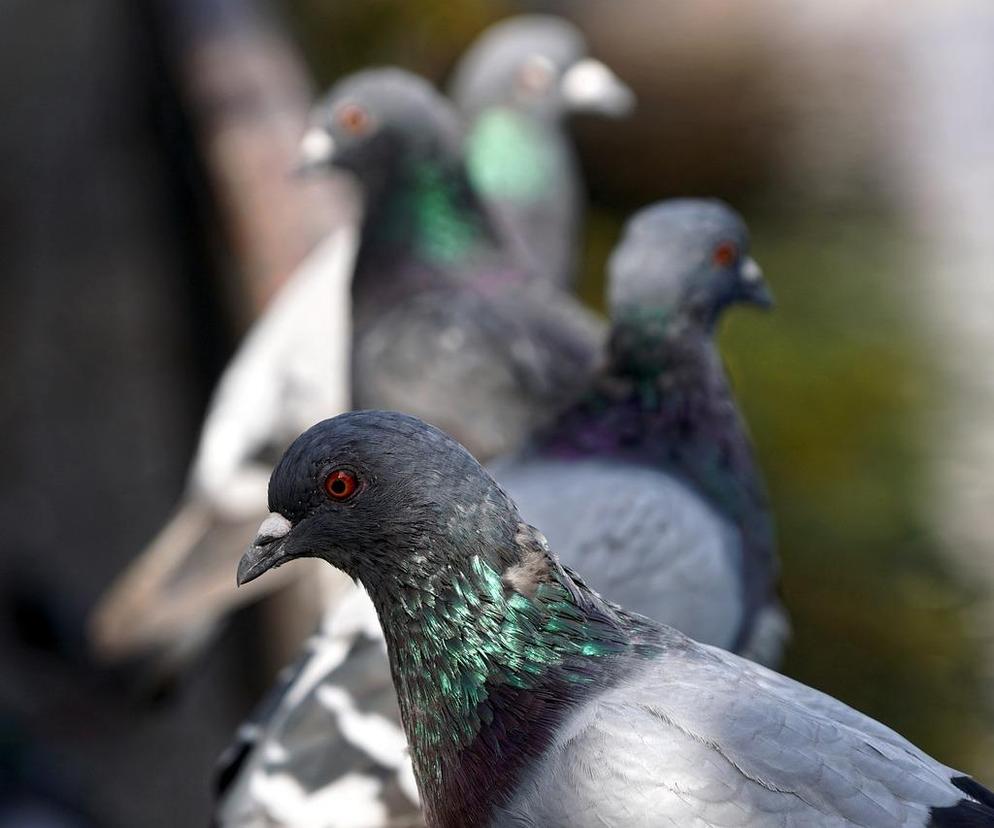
x=353 y=118
x=340 y=484
x=725 y=254
x=536 y=75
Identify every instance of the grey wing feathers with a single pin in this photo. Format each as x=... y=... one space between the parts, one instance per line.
x=703 y=737
x=645 y=541
x=485 y=370
x=327 y=750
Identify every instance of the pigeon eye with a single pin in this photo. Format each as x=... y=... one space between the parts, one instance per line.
x=535 y=75
x=340 y=484
x=353 y=118
x=725 y=254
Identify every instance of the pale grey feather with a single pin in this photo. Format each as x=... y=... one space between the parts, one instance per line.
x=700 y=737
x=646 y=540
x=486 y=369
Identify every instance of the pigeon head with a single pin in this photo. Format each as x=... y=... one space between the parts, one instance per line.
x=372 y=121
x=684 y=261
x=537 y=63
x=384 y=497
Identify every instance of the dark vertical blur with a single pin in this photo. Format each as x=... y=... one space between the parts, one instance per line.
x=111 y=339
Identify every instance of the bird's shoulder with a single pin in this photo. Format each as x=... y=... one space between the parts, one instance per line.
x=695 y=735
x=646 y=540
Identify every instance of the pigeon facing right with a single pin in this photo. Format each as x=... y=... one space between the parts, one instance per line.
x=528 y=700
x=649 y=482
x=516 y=85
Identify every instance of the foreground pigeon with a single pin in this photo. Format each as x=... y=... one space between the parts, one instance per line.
x=516 y=85
x=528 y=700
x=648 y=483
x=449 y=323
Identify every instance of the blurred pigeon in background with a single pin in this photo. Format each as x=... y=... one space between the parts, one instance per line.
x=648 y=482
x=516 y=85
x=449 y=323
x=529 y=700
x=291 y=368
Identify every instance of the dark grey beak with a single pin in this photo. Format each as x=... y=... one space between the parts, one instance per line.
x=267 y=550
x=753 y=288
x=317 y=149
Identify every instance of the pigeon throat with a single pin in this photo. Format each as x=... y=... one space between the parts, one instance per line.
x=487 y=663
x=510 y=156
x=430 y=213
x=647 y=344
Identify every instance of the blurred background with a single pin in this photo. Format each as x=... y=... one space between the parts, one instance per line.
x=147 y=216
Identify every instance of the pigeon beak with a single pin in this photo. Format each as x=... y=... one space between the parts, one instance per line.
x=269 y=549
x=589 y=86
x=752 y=286
x=317 y=149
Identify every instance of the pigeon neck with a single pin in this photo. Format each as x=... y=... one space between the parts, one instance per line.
x=426 y=211
x=488 y=661
x=511 y=156
x=647 y=344
x=665 y=400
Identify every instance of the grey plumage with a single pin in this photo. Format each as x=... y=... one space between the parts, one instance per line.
x=450 y=324
x=516 y=86
x=649 y=482
x=578 y=712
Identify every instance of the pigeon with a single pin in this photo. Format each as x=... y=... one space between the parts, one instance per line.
x=446 y=323
x=680 y=529
x=528 y=700
x=515 y=86
x=625 y=484
x=290 y=370
x=450 y=323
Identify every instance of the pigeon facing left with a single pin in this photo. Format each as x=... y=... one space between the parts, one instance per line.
x=516 y=86
x=530 y=701
x=449 y=323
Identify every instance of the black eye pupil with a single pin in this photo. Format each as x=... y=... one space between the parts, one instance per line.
x=338 y=487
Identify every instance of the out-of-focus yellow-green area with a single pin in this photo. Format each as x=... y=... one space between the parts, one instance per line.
x=840 y=383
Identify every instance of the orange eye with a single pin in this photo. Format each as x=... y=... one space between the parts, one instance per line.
x=353 y=118
x=725 y=254
x=340 y=484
